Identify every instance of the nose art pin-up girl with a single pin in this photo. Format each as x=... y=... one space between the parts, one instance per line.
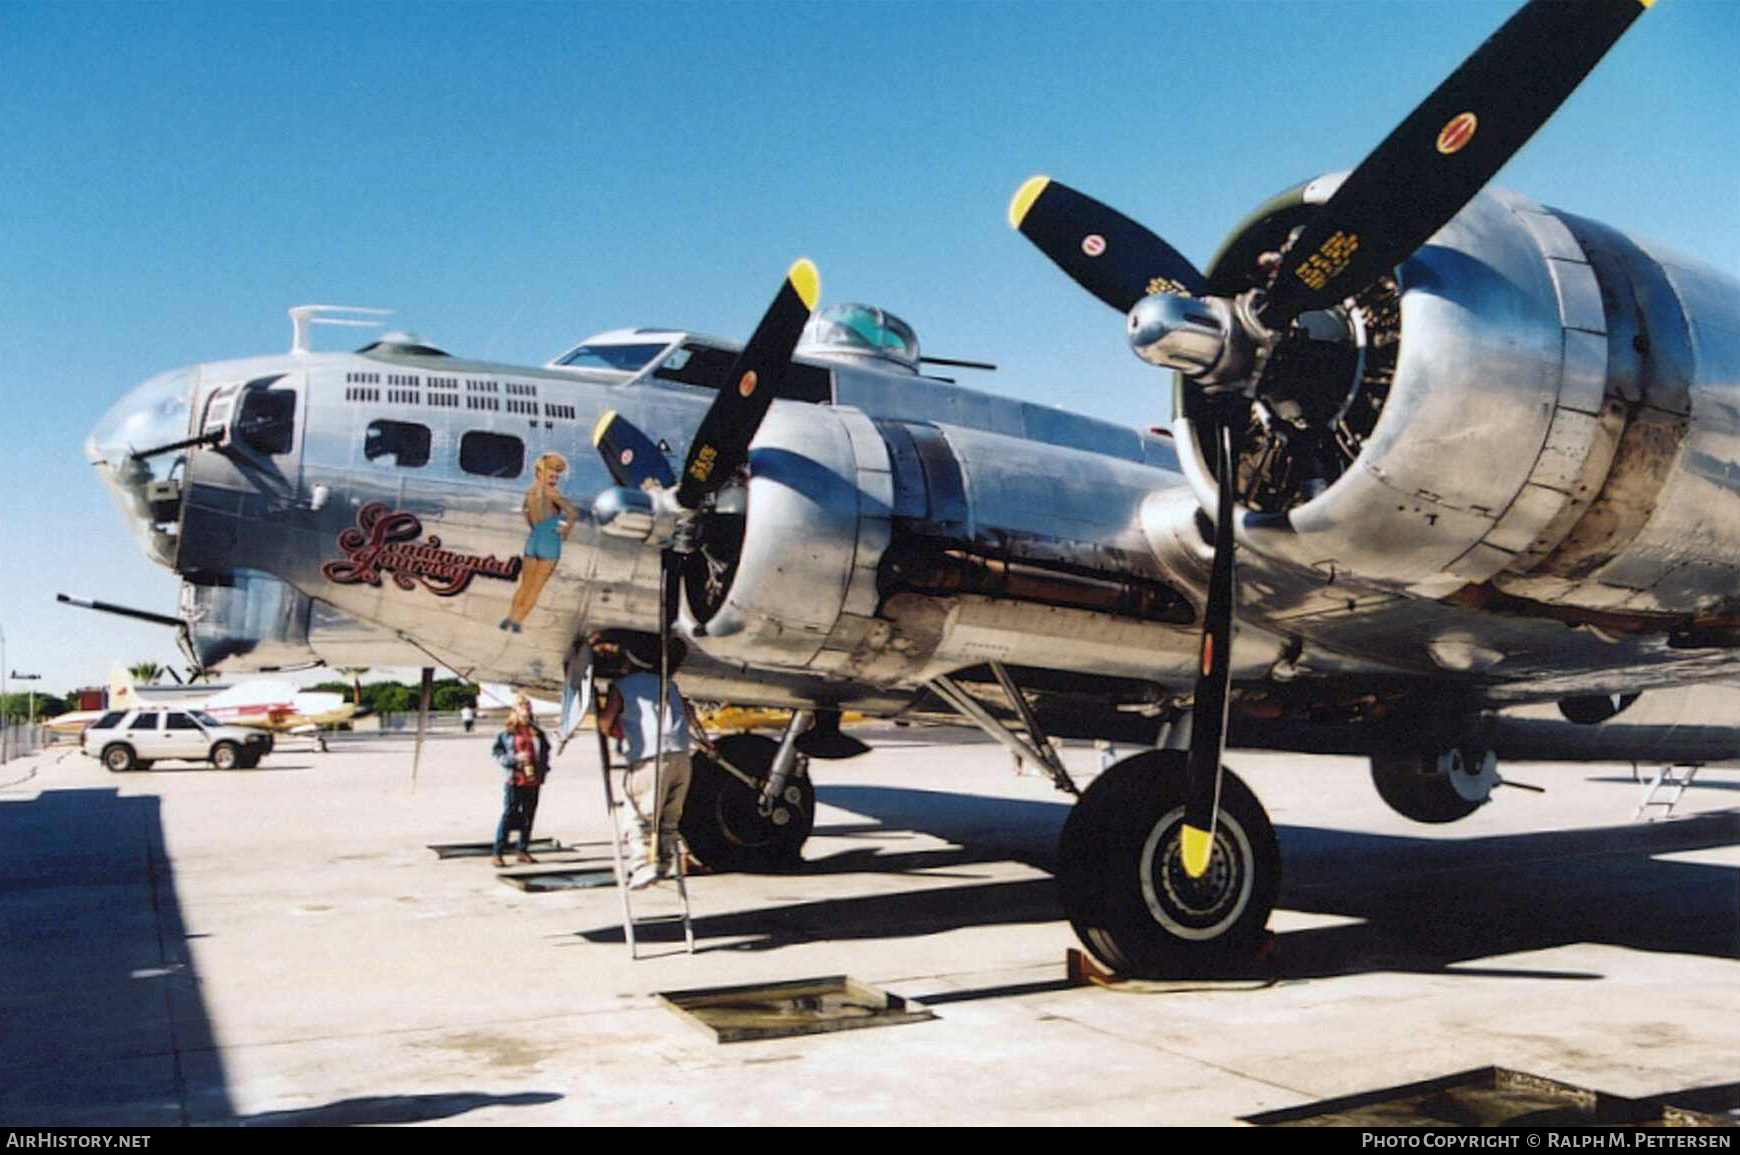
x=550 y=516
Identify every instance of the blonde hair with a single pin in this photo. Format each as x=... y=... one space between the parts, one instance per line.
x=521 y=702
x=548 y=461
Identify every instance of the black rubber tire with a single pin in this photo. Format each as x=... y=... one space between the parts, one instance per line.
x=250 y=760
x=1124 y=826
x=721 y=823
x=226 y=756
x=1410 y=783
x=119 y=758
x=143 y=764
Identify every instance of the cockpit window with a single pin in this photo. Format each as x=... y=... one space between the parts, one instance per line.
x=708 y=367
x=625 y=358
x=401 y=443
x=267 y=422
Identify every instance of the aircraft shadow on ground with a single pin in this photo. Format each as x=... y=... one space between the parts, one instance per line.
x=1428 y=905
x=102 y=1022
x=372 y=1109
x=1692 y=790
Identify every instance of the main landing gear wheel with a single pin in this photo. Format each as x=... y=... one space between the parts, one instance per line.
x=1433 y=787
x=1124 y=886
x=722 y=819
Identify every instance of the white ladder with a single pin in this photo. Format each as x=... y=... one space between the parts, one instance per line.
x=680 y=854
x=1665 y=779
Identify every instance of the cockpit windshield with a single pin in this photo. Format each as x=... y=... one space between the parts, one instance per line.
x=862 y=329
x=623 y=358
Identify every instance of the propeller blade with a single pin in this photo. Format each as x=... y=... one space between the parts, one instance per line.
x=1446 y=150
x=722 y=442
x=632 y=457
x=1208 y=713
x=1103 y=251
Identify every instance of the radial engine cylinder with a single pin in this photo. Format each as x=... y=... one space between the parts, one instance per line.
x=1539 y=406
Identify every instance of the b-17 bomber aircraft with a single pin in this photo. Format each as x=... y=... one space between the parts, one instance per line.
x=1438 y=450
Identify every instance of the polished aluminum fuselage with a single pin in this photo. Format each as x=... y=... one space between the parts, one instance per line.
x=1563 y=429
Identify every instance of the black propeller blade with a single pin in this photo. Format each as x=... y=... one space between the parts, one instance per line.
x=631 y=456
x=1446 y=150
x=722 y=442
x=1107 y=253
x=1208 y=713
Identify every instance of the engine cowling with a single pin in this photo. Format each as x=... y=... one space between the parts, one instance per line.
x=1536 y=407
x=800 y=592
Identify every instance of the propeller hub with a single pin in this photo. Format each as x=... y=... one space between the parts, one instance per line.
x=1196 y=336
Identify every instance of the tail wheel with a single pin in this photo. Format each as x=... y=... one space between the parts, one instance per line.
x=226 y=756
x=1124 y=886
x=723 y=821
x=120 y=758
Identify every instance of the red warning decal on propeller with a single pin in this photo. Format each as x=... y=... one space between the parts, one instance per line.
x=746 y=386
x=1457 y=133
x=626 y=456
x=1207 y=654
x=1093 y=244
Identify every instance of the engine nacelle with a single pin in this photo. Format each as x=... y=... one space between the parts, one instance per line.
x=893 y=550
x=802 y=579
x=1536 y=406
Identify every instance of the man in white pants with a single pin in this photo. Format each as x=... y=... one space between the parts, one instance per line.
x=633 y=702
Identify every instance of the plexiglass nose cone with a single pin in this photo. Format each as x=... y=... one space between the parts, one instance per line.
x=156 y=413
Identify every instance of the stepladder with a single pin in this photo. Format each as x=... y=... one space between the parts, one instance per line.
x=1665 y=782
x=625 y=824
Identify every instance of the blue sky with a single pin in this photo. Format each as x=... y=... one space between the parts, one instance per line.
x=511 y=178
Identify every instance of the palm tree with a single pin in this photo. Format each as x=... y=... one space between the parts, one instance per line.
x=145 y=672
x=355 y=673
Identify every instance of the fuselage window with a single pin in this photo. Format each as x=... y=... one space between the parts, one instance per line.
x=267 y=423
x=492 y=454
x=401 y=443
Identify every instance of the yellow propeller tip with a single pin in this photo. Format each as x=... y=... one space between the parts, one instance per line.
x=1024 y=198
x=604 y=421
x=806 y=280
x=1196 y=849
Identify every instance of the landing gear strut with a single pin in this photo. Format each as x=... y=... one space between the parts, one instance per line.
x=1125 y=889
x=729 y=824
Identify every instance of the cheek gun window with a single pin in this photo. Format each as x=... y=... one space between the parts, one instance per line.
x=491 y=454
x=267 y=423
x=401 y=443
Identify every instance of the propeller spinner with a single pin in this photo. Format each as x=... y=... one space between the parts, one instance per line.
x=1406 y=189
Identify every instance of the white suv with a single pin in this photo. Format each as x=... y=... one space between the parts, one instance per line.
x=133 y=739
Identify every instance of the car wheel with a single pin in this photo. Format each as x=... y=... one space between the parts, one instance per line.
x=226 y=756
x=120 y=758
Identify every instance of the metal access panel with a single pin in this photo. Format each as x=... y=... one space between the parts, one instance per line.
x=1489 y=1097
x=545 y=881
x=485 y=849
x=783 y=1010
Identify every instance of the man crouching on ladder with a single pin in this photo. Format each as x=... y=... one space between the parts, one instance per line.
x=651 y=801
